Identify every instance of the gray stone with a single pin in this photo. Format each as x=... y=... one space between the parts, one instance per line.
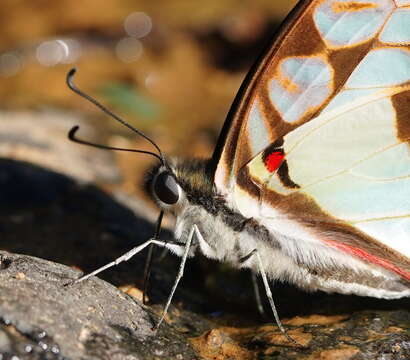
x=90 y=320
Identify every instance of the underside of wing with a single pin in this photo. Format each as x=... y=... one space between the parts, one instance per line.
x=344 y=177
x=319 y=146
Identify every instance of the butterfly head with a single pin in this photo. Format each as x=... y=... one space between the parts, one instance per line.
x=184 y=189
x=176 y=184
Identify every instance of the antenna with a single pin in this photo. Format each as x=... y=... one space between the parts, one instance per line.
x=71 y=135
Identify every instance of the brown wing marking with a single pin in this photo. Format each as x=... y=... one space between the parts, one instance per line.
x=401 y=103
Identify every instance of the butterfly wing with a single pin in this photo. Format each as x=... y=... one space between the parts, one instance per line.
x=316 y=147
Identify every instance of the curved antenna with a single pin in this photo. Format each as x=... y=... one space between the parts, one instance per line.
x=75 y=89
x=72 y=137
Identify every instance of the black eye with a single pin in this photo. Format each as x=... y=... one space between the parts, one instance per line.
x=166 y=188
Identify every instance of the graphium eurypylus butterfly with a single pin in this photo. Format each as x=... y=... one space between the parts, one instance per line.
x=310 y=179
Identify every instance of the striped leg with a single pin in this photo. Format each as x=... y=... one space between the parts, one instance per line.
x=128 y=255
x=180 y=274
x=269 y=293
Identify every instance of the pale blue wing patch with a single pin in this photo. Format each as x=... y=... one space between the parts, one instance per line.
x=351 y=198
x=397 y=29
x=348 y=96
x=381 y=68
x=302 y=84
x=330 y=144
x=389 y=164
x=257 y=131
x=346 y=23
x=397 y=229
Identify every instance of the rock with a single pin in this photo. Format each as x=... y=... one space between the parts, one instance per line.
x=90 y=320
x=41 y=138
x=364 y=335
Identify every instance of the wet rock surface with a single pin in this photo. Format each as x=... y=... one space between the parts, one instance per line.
x=49 y=215
x=43 y=319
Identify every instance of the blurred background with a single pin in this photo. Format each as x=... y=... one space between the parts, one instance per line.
x=169 y=67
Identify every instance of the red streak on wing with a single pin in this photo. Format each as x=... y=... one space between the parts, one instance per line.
x=274 y=160
x=368 y=257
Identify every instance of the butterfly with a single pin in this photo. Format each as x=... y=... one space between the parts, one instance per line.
x=309 y=182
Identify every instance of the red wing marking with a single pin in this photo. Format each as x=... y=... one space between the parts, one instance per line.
x=368 y=257
x=274 y=160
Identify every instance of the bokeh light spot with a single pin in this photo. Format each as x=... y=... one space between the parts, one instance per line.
x=64 y=51
x=50 y=53
x=72 y=50
x=129 y=49
x=138 y=24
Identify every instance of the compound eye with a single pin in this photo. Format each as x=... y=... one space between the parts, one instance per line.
x=166 y=188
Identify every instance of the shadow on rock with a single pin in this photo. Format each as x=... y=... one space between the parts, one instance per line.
x=51 y=216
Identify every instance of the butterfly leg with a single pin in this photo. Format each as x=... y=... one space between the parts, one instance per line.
x=262 y=272
x=193 y=231
x=257 y=294
x=128 y=255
